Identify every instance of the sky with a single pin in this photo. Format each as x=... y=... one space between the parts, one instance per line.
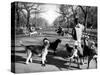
x=50 y=13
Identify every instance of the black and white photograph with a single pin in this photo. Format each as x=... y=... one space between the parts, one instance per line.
x=48 y=37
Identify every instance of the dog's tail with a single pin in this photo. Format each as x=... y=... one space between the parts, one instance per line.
x=21 y=43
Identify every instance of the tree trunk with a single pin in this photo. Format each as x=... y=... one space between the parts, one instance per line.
x=86 y=15
x=28 y=19
x=17 y=12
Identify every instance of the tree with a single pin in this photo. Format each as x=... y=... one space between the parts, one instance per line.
x=85 y=11
x=68 y=13
x=90 y=15
x=41 y=22
x=26 y=9
x=18 y=13
x=29 y=7
x=64 y=11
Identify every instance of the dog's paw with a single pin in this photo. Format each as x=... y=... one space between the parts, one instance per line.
x=45 y=61
x=30 y=60
x=43 y=65
x=79 y=67
x=39 y=55
x=27 y=63
x=87 y=67
x=95 y=56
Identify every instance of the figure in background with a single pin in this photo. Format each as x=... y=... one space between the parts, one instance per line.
x=77 y=35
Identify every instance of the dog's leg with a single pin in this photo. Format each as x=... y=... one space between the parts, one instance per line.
x=81 y=61
x=70 y=61
x=44 y=57
x=54 y=52
x=78 y=62
x=96 y=61
x=43 y=60
x=40 y=55
x=89 y=60
x=30 y=34
x=29 y=56
x=95 y=58
x=31 y=59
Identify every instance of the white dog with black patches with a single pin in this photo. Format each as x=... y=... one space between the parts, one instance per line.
x=37 y=49
x=45 y=50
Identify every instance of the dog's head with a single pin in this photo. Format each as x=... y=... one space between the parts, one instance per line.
x=45 y=39
x=58 y=41
x=46 y=42
x=66 y=45
x=69 y=48
x=86 y=37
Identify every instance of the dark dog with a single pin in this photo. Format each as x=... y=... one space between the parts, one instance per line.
x=90 y=52
x=59 y=31
x=54 y=45
x=69 y=50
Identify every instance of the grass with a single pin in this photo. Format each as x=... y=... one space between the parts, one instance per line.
x=52 y=35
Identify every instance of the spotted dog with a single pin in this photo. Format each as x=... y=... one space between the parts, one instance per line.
x=35 y=49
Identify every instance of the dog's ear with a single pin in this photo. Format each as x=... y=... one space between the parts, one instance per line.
x=96 y=45
x=58 y=40
x=45 y=39
x=66 y=45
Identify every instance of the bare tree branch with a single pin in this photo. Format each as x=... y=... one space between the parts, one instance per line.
x=82 y=9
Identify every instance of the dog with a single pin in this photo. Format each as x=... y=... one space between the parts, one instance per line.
x=33 y=33
x=60 y=31
x=45 y=51
x=54 y=45
x=35 y=49
x=73 y=53
x=69 y=50
x=90 y=52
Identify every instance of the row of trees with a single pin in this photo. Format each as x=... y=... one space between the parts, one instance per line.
x=87 y=15
x=24 y=12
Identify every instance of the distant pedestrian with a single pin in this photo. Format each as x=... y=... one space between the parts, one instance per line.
x=60 y=31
